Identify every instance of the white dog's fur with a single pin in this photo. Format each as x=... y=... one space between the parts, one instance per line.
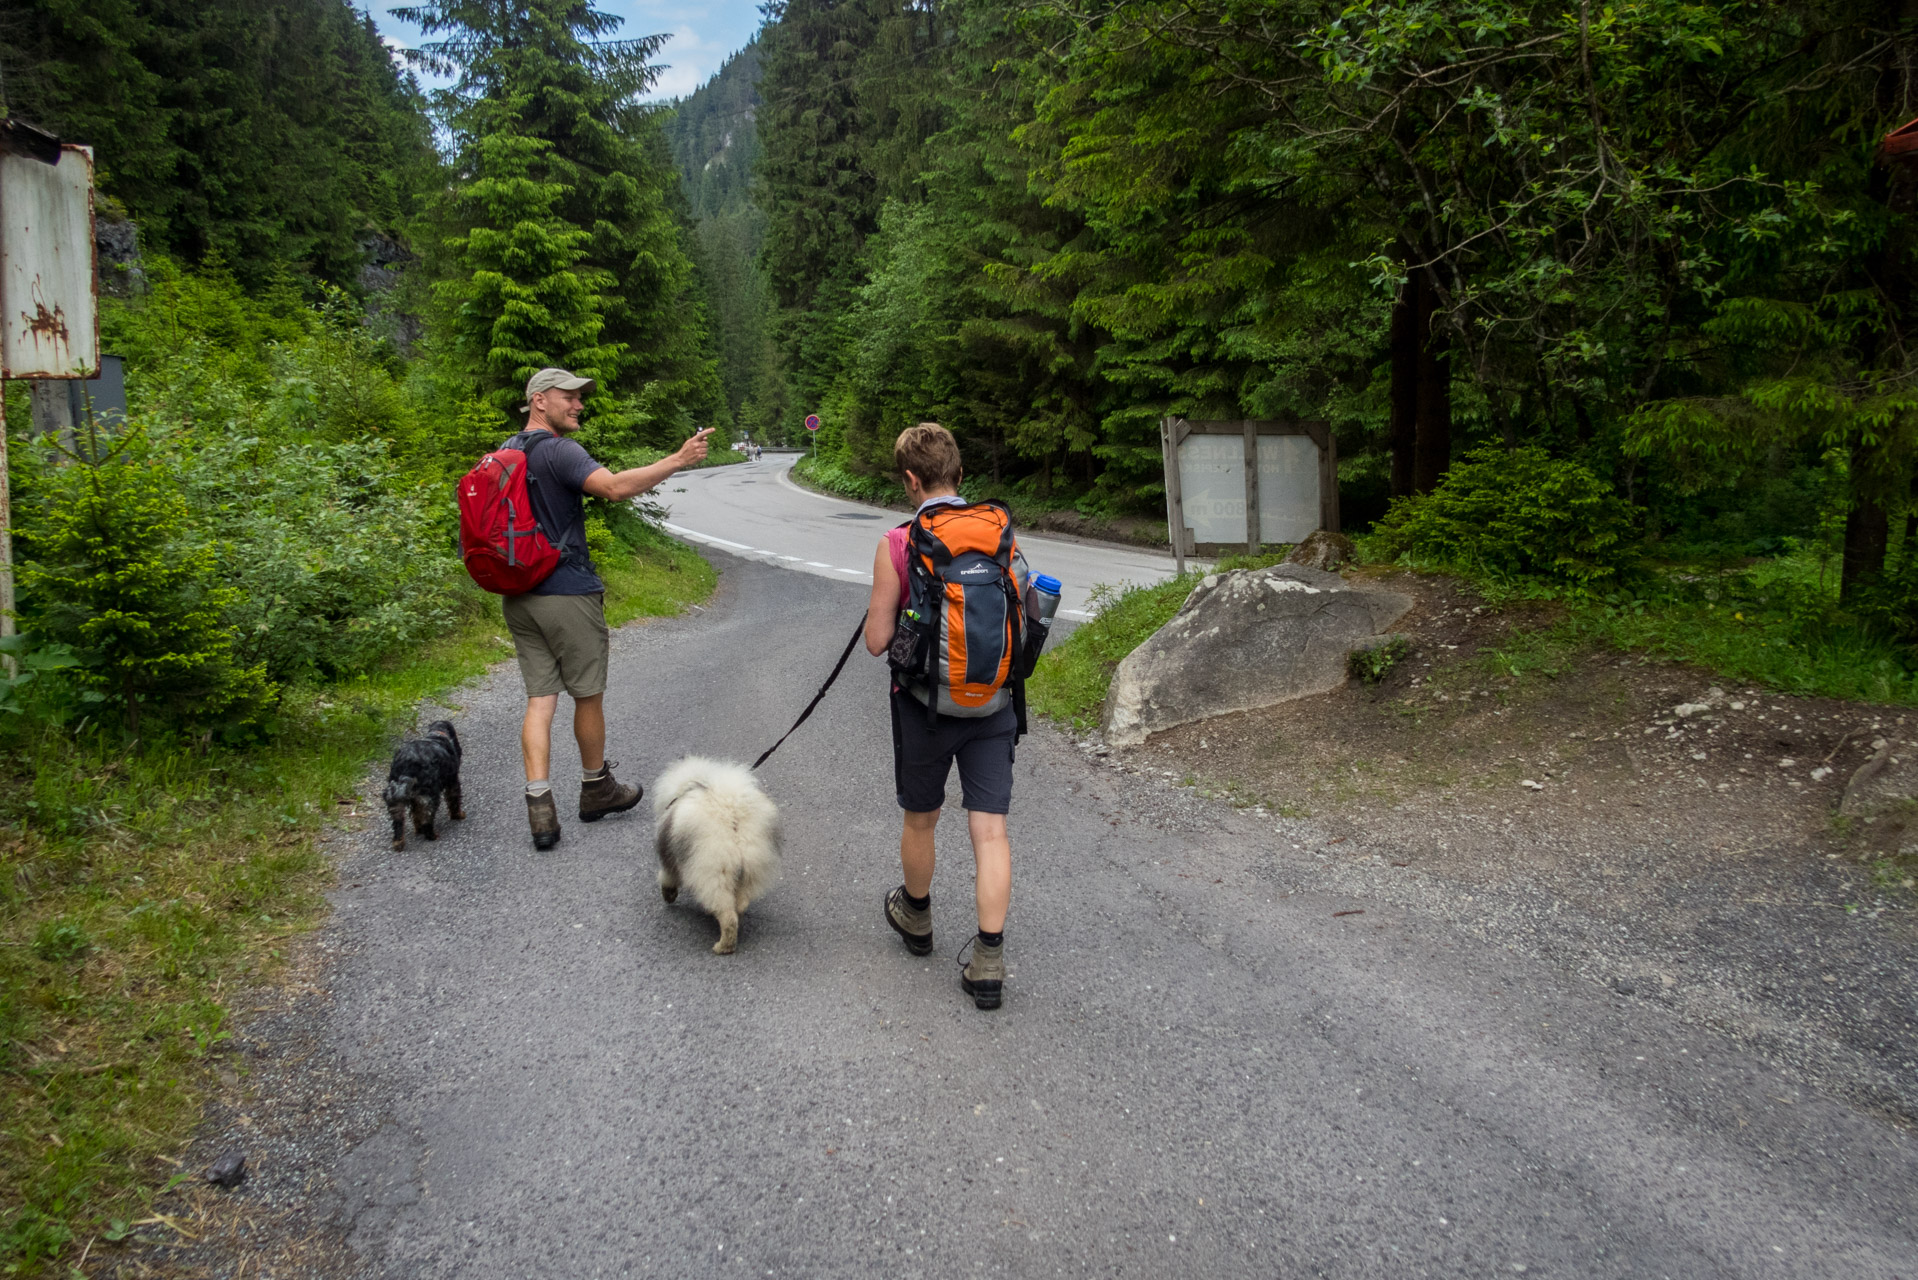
x=718 y=836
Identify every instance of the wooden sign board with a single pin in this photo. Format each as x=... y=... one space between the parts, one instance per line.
x=1246 y=483
x=48 y=322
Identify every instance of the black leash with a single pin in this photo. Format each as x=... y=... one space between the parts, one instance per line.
x=856 y=633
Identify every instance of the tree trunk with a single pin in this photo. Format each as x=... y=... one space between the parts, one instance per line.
x=1867 y=536
x=1405 y=385
x=1434 y=447
x=1911 y=527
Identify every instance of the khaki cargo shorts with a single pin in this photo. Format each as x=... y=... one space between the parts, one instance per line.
x=562 y=643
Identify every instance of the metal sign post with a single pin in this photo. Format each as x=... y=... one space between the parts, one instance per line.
x=1247 y=483
x=49 y=324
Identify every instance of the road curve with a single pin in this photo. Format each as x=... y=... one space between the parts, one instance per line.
x=754 y=510
x=1204 y=1067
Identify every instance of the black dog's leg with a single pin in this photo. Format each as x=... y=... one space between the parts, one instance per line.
x=425 y=809
x=455 y=807
x=397 y=811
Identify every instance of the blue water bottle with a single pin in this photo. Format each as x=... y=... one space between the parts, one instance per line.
x=1042 y=601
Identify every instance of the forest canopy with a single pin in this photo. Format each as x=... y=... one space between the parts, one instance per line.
x=1656 y=241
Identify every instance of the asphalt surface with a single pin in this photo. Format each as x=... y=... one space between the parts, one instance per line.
x=1196 y=1071
x=755 y=511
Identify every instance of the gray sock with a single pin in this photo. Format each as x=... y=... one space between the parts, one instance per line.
x=593 y=775
x=538 y=788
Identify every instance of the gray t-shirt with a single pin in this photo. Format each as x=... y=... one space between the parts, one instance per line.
x=556 y=471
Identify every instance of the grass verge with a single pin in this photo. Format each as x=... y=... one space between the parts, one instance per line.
x=138 y=888
x=1775 y=624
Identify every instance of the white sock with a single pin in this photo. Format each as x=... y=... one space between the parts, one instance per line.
x=538 y=788
x=593 y=775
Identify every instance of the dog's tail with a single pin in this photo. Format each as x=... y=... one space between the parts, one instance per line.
x=400 y=790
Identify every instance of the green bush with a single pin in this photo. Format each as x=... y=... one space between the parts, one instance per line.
x=337 y=556
x=112 y=567
x=1505 y=514
x=836 y=478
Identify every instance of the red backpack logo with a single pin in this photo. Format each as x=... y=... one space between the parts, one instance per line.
x=505 y=550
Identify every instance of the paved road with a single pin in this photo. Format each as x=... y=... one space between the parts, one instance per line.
x=1197 y=1072
x=754 y=510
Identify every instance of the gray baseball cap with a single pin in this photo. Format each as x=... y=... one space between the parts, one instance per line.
x=554 y=380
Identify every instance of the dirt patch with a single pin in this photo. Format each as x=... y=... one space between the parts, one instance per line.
x=1665 y=832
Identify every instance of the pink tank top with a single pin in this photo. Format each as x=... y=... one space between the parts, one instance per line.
x=897 y=543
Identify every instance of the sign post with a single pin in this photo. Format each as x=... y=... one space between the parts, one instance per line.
x=812 y=440
x=49 y=327
x=1246 y=483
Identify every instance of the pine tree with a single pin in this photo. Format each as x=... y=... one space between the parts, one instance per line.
x=273 y=132
x=715 y=143
x=116 y=572
x=522 y=298
x=544 y=71
x=820 y=195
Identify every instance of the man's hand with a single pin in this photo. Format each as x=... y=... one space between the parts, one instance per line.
x=693 y=452
x=630 y=484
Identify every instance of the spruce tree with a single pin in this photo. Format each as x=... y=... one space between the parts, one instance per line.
x=522 y=298
x=819 y=193
x=545 y=72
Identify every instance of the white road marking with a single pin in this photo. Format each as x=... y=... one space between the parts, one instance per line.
x=784 y=475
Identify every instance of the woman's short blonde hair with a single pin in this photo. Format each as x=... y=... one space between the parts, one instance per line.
x=929 y=452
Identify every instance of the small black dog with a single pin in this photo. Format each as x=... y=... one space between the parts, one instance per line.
x=423 y=770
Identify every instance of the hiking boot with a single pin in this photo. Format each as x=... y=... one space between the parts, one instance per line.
x=913 y=925
x=606 y=794
x=985 y=975
x=543 y=815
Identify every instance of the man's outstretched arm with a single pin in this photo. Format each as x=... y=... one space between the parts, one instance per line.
x=618 y=486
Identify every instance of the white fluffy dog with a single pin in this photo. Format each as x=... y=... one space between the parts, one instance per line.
x=718 y=836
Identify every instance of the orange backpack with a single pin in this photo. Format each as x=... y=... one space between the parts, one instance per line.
x=962 y=626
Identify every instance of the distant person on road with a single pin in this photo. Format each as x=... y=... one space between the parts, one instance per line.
x=559 y=627
x=924 y=745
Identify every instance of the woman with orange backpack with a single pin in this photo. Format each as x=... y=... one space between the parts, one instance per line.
x=946 y=609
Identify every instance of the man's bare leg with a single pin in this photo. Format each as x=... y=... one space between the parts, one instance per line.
x=536 y=736
x=589 y=731
x=536 y=750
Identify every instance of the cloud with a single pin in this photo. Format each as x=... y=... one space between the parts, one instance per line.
x=702 y=35
x=690 y=59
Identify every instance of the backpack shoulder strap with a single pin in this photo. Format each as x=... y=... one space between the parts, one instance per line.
x=518 y=440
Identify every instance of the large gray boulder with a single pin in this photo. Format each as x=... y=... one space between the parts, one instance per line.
x=1246 y=639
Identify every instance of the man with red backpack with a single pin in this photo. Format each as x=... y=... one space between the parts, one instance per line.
x=946 y=611
x=559 y=622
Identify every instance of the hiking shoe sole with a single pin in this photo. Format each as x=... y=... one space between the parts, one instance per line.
x=985 y=992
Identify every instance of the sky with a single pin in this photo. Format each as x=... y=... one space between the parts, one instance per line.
x=703 y=34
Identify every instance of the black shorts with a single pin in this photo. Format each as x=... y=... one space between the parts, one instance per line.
x=922 y=758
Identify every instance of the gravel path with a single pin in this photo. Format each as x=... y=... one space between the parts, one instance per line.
x=508 y=1064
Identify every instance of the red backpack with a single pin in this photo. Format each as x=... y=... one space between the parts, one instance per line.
x=505 y=550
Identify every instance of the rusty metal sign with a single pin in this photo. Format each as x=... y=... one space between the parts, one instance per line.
x=49 y=325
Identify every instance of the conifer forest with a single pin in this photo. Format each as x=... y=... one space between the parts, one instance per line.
x=1612 y=306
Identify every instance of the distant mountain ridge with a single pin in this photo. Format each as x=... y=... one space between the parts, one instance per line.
x=714 y=138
